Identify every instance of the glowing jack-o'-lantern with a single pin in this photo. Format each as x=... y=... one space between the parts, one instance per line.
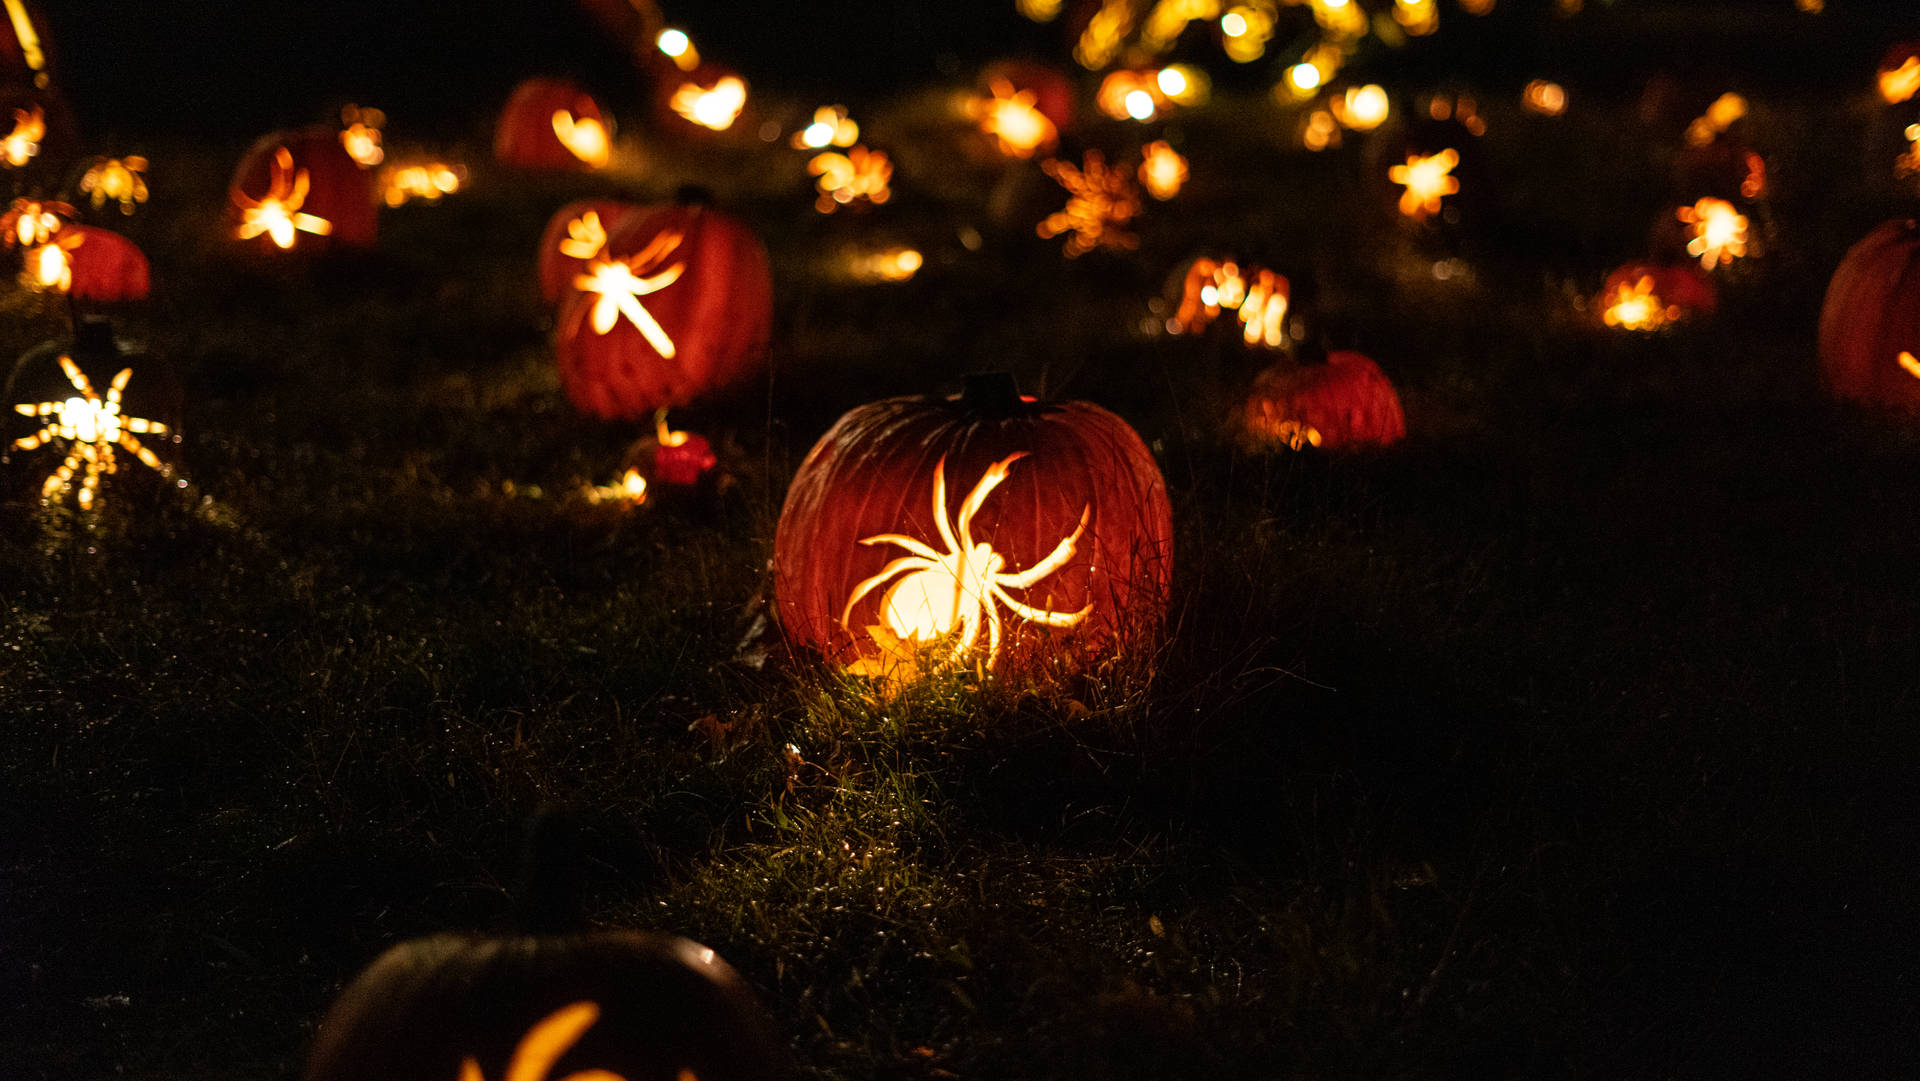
x=22 y=143
x=1427 y=180
x=1162 y=172
x=614 y=1006
x=708 y=97
x=104 y=266
x=91 y=427
x=1258 y=296
x=552 y=125
x=1651 y=297
x=1016 y=123
x=1345 y=403
x=47 y=267
x=302 y=188
x=1870 y=320
x=1716 y=232
x=678 y=305
x=858 y=175
x=360 y=135
x=574 y=236
x=830 y=127
x=1101 y=201
x=29 y=222
x=427 y=182
x=1045 y=87
x=1899 y=75
x=118 y=180
x=980 y=533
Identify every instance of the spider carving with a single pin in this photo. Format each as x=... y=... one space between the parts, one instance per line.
x=91 y=425
x=957 y=592
x=277 y=213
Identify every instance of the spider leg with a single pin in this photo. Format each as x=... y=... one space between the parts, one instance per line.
x=42 y=409
x=114 y=388
x=648 y=326
x=940 y=505
x=898 y=566
x=59 y=477
x=657 y=249
x=77 y=377
x=919 y=548
x=36 y=440
x=145 y=426
x=1059 y=557
x=1042 y=615
x=89 y=484
x=147 y=457
x=991 y=479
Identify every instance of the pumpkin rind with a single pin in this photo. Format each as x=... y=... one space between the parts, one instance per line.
x=718 y=315
x=1348 y=402
x=524 y=136
x=107 y=266
x=1871 y=315
x=872 y=475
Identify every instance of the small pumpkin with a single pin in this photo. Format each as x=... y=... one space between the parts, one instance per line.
x=552 y=125
x=1345 y=403
x=302 y=188
x=1870 y=321
x=679 y=306
x=1652 y=296
x=1051 y=90
x=983 y=532
x=610 y=1006
x=572 y=239
x=105 y=265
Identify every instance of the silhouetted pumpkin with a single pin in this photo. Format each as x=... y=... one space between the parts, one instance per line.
x=316 y=177
x=1345 y=403
x=680 y=305
x=106 y=266
x=552 y=124
x=1871 y=318
x=639 y=1007
x=981 y=532
x=565 y=243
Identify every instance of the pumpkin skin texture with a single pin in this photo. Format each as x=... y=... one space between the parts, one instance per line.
x=107 y=266
x=429 y=1008
x=339 y=190
x=524 y=137
x=872 y=476
x=717 y=314
x=1871 y=315
x=1348 y=401
x=557 y=268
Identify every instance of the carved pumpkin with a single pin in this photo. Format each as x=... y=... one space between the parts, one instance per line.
x=552 y=124
x=572 y=239
x=614 y=1006
x=1651 y=296
x=1052 y=92
x=982 y=532
x=678 y=306
x=302 y=188
x=23 y=45
x=1345 y=403
x=701 y=102
x=105 y=265
x=1870 y=322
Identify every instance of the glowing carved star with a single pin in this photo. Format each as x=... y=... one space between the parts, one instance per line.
x=1426 y=181
x=858 y=174
x=1101 y=201
x=1017 y=126
x=936 y=595
x=277 y=213
x=715 y=107
x=23 y=142
x=585 y=138
x=1638 y=307
x=92 y=426
x=545 y=1043
x=620 y=283
x=1717 y=232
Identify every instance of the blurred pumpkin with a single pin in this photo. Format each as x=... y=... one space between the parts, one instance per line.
x=1345 y=403
x=290 y=182
x=553 y=125
x=24 y=59
x=708 y=99
x=611 y=1006
x=1870 y=321
x=105 y=265
x=1649 y=296
x=572 y=238
x=1051 y=90
x=981 y=532
x=679 y=305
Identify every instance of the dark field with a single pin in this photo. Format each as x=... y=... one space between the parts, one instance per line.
x=1574 y=737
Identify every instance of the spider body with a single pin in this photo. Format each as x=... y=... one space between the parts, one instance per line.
x=92 y=426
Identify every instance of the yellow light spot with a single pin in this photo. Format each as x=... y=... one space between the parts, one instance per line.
x=1721 y=115
x=277 y=213
x=1320 y=131
x=1100 y=203
x=1427 y=182
x=1233 y=24
x=1911 y=364
x=1106 y=30
x=1016 y=125
x=1717 y=232
x=1162 y=170
x=1130 y=95
x=1417 y=17
x=830 y=127
x=1140 y=105
x=120 y=179
x=1900 y=84
x=1173 y=82
x=91 y=426
x=28 y=37
x=679 y=48
x=1637 y=307
x=714 y=107
x=1361 y=108
x=858 y=174
x=361 y=135
x=1183 y=84
x=586 y=237
x=1260 y=296
x=1544 y=97
x=426 y=182
x=584 y=137
x=886 y=265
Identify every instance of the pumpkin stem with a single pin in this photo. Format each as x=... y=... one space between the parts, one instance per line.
x=693 y=195
x=93 y=339
x=992 y=394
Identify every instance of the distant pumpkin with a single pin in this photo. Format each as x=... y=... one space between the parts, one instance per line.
x=612 y=1006
x=1345 y=403
x=572 y=238
x=105 y=265
x=1870 y=321
x=553 y=125
x=678 y=307
x=985 y=532
x=302 y=187
x=1653 y=296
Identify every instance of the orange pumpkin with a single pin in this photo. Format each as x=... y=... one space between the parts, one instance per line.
x=1870 y=322
x=984 y=532
x=570 y=240
x=677 y=307
x=1660 y=294
x=1343 y=404
x=553 y=125
x=106 y=266
x=291 y=181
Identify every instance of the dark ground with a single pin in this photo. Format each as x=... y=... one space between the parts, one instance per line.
x=1573 y=738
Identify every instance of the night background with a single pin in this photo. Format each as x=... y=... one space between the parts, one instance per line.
x=1575 y=734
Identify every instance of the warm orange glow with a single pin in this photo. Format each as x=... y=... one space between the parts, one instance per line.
x=1169 y=19
x=1260 y=296
x=663 y=435
x=679 y=48
x=1717 y=232
x=23 y=142
x=630 y=488
x=544 y=1044
x=1040 y=11
x=830 y=127
x=29 y=39
x=585 y=138
x=1016 y=125
x=586 y=237
x=619 y=284
x=29 y=222
x=1754 y=184
x=936 y=595
x=1162 y=172
x=1543 y=97
x=885 y=265
x=1320 y=131
x=361 y=135
x=1245 y=30
x=858 y=174
x=1908 y=164
x=92 y=427
x=1184 y=84
x=1106 y=30
x=120 y=179
x=277 y=214
x=1417 y=17
x=1721 y=115
x=49 y=269
x=1811 y=7
x=1100 y=203
x=1638 y=307
x=1341 y=19
x=1899 y=84
x=1910 y=364
x=1361 y=108
x=426 y=182
x=1427 y=182
x=1290 y=433
x=714 y=107
x=1130 y=95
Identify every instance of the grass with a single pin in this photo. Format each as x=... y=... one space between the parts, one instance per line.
x=1574 y=738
